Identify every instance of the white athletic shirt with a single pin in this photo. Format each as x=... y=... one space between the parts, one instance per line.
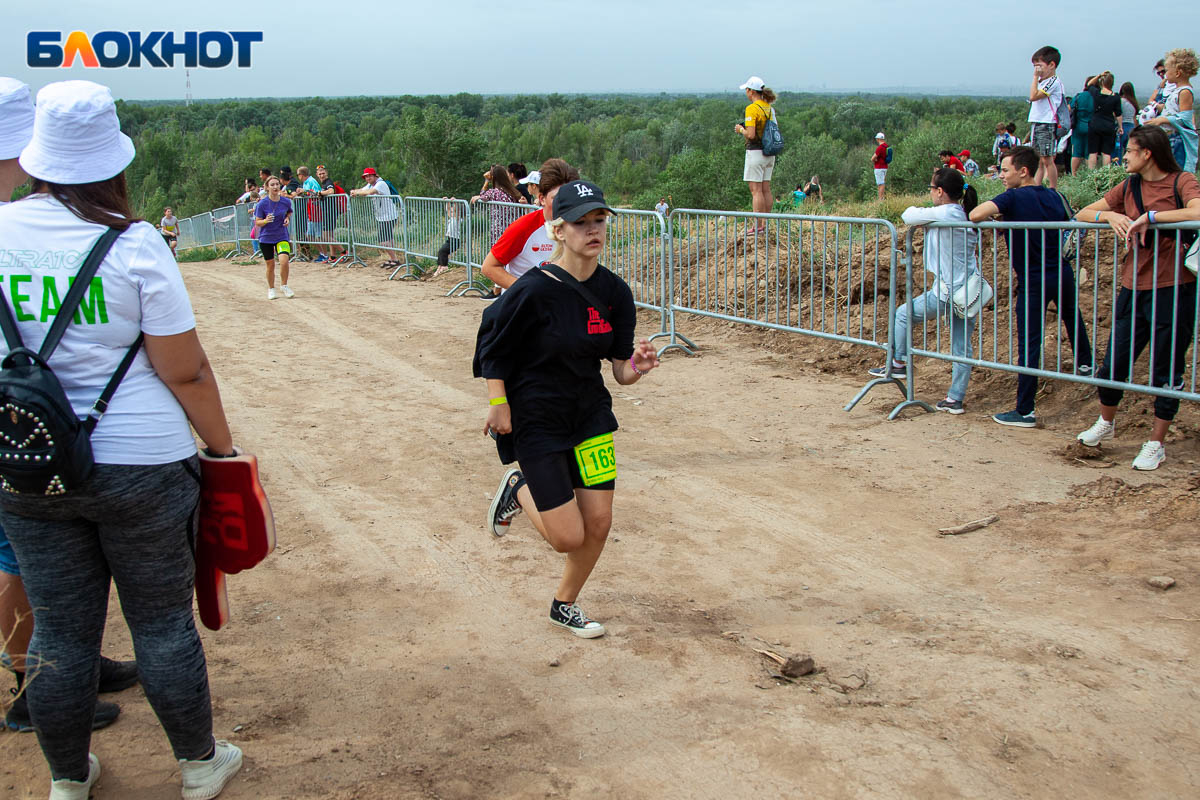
x=138 y=287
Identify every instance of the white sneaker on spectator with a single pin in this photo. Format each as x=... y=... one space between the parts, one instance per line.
x=1101 y=429
x=204 y=780
x=1153 y=453
x=76 y=790
x=287 y=292
x=271 y=295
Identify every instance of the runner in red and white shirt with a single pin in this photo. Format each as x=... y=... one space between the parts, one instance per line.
x=525 y=243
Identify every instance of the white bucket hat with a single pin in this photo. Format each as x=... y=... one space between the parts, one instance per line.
x=753 y=82
x=16 y=117
x=76 y=135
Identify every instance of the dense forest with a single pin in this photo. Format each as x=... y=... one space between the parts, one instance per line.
x=636 y=147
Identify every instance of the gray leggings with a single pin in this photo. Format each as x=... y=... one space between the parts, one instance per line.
x=135 y=525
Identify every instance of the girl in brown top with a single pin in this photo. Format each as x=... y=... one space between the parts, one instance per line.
x=1157 y=302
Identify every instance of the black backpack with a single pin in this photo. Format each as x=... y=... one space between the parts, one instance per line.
x=44 y=448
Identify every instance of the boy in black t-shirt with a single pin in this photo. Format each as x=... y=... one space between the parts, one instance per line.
x=1042 y=272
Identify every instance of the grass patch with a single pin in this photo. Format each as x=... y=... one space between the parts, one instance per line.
x=198 y=254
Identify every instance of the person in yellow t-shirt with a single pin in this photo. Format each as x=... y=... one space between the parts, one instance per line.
x=758 y=168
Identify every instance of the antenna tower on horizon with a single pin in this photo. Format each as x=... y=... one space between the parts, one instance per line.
x=187 y=98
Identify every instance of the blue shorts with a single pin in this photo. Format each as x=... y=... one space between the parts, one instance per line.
x=8 y=561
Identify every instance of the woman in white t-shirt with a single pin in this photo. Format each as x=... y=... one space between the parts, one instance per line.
x=133 y=520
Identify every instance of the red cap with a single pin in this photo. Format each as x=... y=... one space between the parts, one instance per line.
x=965 y=154
x=370 y=171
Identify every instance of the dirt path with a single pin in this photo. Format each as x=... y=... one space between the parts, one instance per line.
x=391 y=648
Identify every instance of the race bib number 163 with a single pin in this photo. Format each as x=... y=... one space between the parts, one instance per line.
x=597 y=460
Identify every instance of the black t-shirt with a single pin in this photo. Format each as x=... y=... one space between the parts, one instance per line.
x=292 y=186
x=548 y=345
x=1102 y=116
x=1033 y=204
x=330 y=207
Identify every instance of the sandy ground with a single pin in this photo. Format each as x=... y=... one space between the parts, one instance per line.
x=392 y=648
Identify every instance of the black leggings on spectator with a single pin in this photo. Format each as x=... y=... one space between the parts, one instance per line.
x=448 y=247
x=1162 y=318
x=132 y=525
x=1033 y=297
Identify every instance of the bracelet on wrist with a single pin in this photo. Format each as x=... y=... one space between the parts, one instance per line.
x=1151 y=215
x=1098 y=213
x=634 y=366
x=498 y=401
x=208 y=451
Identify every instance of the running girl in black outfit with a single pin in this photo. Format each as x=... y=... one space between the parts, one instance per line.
x=540 y=347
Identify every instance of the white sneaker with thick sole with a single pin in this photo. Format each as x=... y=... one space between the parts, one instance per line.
x=1152 y=454
x=76 y=790
x=271 y=294
x=1100 y=430
x=287 y=292
x=204 y=780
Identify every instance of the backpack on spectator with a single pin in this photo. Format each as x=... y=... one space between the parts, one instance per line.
x=772 y=139
x=391 y=189
x=44 y=447
x=1062 y=118
x=1069 y=245
x=887 y=159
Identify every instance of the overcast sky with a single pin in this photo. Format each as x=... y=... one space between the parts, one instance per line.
x=368 y=47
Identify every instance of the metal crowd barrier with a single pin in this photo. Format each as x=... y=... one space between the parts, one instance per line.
x=1084 y=277
x=488 y=219
x=321 y=224
x=202 y=224
x=813 y=275
x=225 y=228
x=376 y=223
x=187 y=234
x=432 y=223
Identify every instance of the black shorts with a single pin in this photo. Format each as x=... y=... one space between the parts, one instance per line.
x=554 y=477
x=1101 y=143
x=269 y=250
x=169 y=238
x=386 y=228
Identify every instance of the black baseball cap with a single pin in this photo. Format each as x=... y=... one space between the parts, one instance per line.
x=577 y=198
x=285 y=170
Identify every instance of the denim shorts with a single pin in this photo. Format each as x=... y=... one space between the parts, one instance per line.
x=8 y=561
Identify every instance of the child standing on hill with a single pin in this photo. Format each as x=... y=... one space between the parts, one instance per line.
x=1046 y=96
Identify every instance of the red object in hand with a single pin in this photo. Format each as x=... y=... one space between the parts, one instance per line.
x=237 y=530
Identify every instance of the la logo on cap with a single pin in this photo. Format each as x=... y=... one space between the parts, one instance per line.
x=583 y=190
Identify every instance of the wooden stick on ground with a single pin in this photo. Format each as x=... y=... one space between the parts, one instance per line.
x=968 y=527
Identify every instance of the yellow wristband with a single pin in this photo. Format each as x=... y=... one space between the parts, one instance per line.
x=498 y=401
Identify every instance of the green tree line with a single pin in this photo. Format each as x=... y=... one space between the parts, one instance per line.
x=637 y=147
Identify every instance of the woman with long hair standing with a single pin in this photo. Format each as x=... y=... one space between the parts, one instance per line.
x=540 y=347
x=758 y=167
x=499 y=187
x=950 y=255
x=132 y=521
x=1129 y=109
x=1157 y=302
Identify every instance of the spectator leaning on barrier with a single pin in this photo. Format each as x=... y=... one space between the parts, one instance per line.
x=526 y=243
x=498 y=187
x=1042 y=274
x=519 y=172
x=1046 y=97
x=386 y=213
x=879 y=161
x=950 y=256
x=1162 y=313
x=453 y=235
x=332 y=207
x=757 y=168
x=290 y=184
x=310 y=189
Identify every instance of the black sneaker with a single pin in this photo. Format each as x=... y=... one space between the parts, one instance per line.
x=116 y=676
x=569 y=616
x=504 y=505
x=17 y=718
x=950 y=406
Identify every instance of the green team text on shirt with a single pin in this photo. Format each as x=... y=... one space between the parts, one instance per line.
x=92 y=309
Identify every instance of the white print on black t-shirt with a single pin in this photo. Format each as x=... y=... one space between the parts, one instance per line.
x=596 y=323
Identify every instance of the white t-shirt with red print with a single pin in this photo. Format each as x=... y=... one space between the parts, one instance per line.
x=524 y=244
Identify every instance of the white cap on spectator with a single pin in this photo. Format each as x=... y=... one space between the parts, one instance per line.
x=753 y=82
x=880 y=135
x=533 y=177
x=76 y=135
x=16 y=117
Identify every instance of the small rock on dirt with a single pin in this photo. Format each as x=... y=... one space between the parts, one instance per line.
x=798 y=666
x=1163 y=582
x=554 y=662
